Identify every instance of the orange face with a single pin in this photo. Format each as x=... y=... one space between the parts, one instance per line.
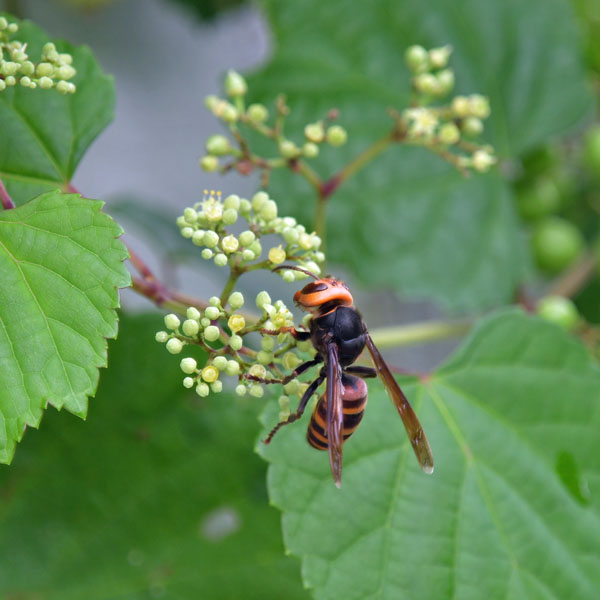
x=318 y=293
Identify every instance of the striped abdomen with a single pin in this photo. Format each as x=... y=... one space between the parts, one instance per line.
x=354 y=400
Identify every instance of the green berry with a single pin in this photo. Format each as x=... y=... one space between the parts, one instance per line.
x=540 y=200
x=336 y=135
x=209 y=163
x=174 y=346
x=236 y=300
x=559 y=310
x=257 y=113
x=246 y=238
x=556 y=243
x=217 y=145
x=221 y=260
x=212 y=313
x=172 y=321
x=161 y=336
x=236 y=342
x=240 y=390
x=188 y=365
x=190 y=327
x=211 y=333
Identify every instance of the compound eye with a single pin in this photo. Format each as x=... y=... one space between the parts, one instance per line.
x=311 y=288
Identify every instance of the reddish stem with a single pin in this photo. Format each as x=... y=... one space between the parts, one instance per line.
x=5 y=198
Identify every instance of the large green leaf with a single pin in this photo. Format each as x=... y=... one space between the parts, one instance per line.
x=513 y=507
x=407 y=220
x=159 y=495
x=60 y=264
x=45 y=134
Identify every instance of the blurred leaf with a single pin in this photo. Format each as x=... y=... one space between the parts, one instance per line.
x=407 y=220
x=158 y=495
x=45 y=134
x=513 y=507
x=61 y=265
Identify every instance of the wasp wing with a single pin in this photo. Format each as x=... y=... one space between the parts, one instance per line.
x=335 y=414
x=415 y=432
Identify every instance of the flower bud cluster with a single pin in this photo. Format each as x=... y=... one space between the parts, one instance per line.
x=233 y=111
x=206 y=223
x=53 y=70
x=444 y=127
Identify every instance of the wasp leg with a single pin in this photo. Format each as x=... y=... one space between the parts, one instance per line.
x=297 y=371
x=301 y=336
x=364 y=372
x=312 y=388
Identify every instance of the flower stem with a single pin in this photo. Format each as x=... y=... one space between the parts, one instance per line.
x=574 y=278
x=419 y=333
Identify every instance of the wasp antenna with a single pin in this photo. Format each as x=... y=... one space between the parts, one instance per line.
x=295 y=268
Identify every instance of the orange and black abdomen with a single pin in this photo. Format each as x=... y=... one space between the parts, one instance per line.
x=354 y=400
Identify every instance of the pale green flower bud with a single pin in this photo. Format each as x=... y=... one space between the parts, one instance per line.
x=193 y=313
x=232 y=201
x=197 y=236
x=207 y=254
x=44 y=69
x=235 y=84
x=268 y=211
x=258 y=370
x=479 y=106
x=190 y=327
x=445 y=81
x=288 y=276
x=220 y=260
x=461 y=106
x=218 y=145
x=288 y=149
x=310 y=150
x=256 y=390
x=230 y=243
x=246 y=238
x=256 y=248
x=240 y=390
x=232 y=368
x=216 y=387
x=211 y=333
x=188 y=382
x=236 y=300
x=438 y=57
x=188 y=365
x=262 y=298
x=472 y=126
x=292 y=388
x=245 y=206
x=220 y=362
x=174 y=346
x=257 y=113
x=236 y=342
x=202 y=390
x=209 y=163
x=187 y=232
x=190 y=215
x=449 y=133
x=210 y=239
x=482 y=161
x=284 y=402
x=172 y=321
x=290 y=235
x=427 y=83
x=336 y=135
x=267 y=343
x=248 y=255
x=264 y=358
x=417 y=59
x=212 y=313
x=315 y=132
x=214 y=301
x=204 y=322
x=258 y=200
x=291 y=360
x=277 y=255
x=161 y=336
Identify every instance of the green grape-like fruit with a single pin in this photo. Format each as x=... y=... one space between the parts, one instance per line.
x=592 y=149
x=559 y=310
x=556 y=243
x=540 y=200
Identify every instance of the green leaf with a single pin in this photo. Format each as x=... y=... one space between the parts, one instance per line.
x=513 y=507
x=45 y=134
x=407 y=219
x=158 y=495
x=61 y=265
